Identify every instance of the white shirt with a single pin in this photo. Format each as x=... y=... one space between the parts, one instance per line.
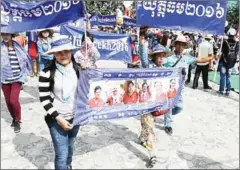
x=204 y=50
x=65 y=109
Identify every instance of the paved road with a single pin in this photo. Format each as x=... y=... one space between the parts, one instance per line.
x=206 y=135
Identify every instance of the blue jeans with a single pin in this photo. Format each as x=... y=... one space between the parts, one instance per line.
x=63 y=142
x=168 y=116
x=224 y=78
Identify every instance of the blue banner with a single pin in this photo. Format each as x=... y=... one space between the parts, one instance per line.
x=129 y=22
x=110 y=46
x=204 y=16
x=103 y=20
x=21 y=16
x=105 y=94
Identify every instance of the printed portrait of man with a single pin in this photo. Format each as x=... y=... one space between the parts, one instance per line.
x=97 y=101
x=130 y=95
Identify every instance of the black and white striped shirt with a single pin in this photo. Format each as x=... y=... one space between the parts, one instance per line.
x=51 y=99
x=16 y=70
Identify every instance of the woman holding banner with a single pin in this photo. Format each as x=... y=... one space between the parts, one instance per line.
x=57 y=91
x=15 y=68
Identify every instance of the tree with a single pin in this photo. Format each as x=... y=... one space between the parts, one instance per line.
x=233 y=15
x=104 y=7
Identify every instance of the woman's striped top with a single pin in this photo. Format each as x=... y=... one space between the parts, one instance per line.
x=16 y=70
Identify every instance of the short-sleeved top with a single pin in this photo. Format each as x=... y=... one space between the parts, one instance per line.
x=204 y=50
x=130 y=99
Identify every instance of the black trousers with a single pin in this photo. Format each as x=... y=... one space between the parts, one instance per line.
x=189 y=73
x=204 y=71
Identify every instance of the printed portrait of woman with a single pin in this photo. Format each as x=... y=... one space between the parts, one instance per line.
x=130 y=95
x=161 y=93
x=173 y=89
x=97 y=101
x=115 y=98
x=144 y=94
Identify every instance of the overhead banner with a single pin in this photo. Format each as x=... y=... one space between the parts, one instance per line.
x=129 y=22
x=103 y=20
x=21 y=16
x=105 y=94
x=204 y=16
x=110 y=46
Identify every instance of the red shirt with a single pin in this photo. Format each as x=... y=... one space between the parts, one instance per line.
x=130 y=99
x=111 y=101
x=144 y=97
x=96 y=102
x=172 y=93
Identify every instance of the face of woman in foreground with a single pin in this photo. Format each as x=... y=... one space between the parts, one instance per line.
x=63 y=57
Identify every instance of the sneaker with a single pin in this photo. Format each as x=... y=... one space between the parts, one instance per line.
x=69 y=167
x=17 y=127
x=168 y=130
x=13 y=124
x=208 y=88
x=227 y=93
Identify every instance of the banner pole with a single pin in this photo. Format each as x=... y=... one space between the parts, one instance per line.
x=220 y=51
x=85 y=34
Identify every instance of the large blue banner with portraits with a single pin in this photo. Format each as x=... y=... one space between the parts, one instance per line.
x=105 y=94
x=110 y=46
x=21 y=16
x=204 y=16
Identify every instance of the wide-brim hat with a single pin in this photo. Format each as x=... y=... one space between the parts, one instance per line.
x=208 y=36
x=61 y=43
x=158 y=48
x=181 y=38
x=51 y=32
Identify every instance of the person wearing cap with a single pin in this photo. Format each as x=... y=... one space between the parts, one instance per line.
x=180 y=60
x=205 y=49
x=147 y=136
x=230 y=50
x=57 y=91
x=15 y=69
x=43 y=45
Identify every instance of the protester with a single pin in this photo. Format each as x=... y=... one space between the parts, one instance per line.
x=131 y=95
x=57 y=91
x=147 y=135
x=180 y=60
x=15 y=68
x=205 y=50
x=227 y=61
x=97 y=101
x=88 y=53
x=143 y=46
x=44 y=44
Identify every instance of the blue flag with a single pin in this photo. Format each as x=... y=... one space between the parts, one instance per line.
x=105 y=94
x=110 y=46
x=204 y=16
x=129 y=22
x=21 y=16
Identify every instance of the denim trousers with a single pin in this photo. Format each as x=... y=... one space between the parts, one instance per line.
x=224 y=78
x=63 y=142
x=168 y=116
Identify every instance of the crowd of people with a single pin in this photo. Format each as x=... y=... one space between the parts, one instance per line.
x=57 y=63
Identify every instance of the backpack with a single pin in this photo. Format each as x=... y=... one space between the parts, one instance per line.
x=231 y=58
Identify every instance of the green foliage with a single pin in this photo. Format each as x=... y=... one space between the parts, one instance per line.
x=233 y=15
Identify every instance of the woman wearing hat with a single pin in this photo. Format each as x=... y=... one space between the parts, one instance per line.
x=180 y=60
x=15 y=68
x=44 y=44
x=147 y=136
x=57 y=91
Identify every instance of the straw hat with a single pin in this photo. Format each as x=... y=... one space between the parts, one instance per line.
x=180 y=38
x=158 y=48
x=61 y=43
x=208 y=36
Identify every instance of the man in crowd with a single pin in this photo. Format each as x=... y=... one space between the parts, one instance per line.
x=227 y=61
x=205 y=50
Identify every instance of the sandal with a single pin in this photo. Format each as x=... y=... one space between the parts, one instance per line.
x=152 y=161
